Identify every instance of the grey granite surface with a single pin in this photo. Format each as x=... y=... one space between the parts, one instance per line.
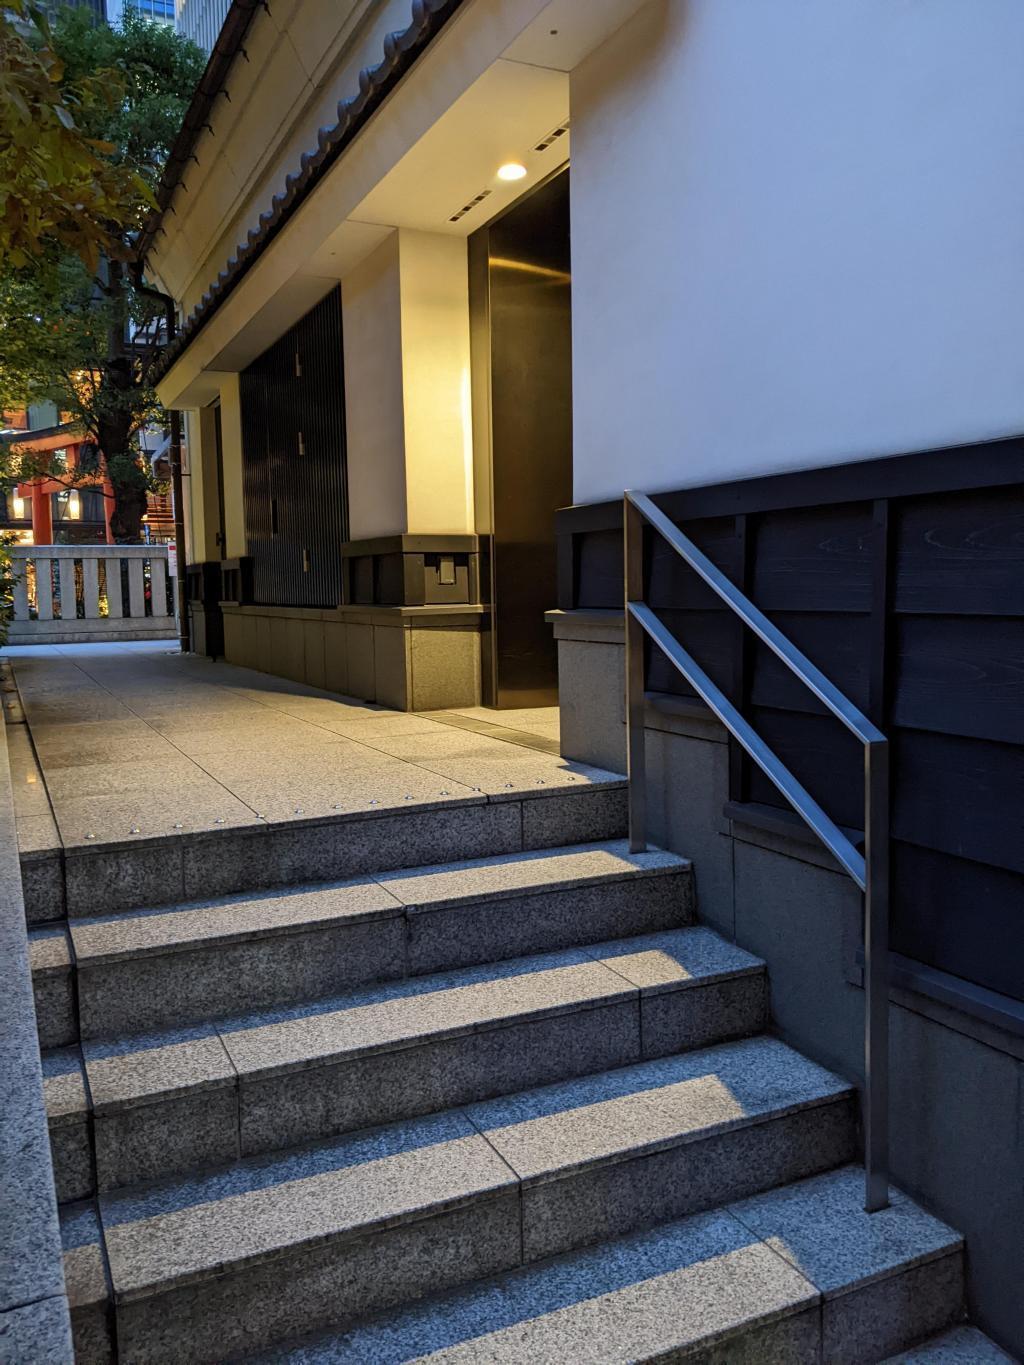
x=577 y=818
x=520 y=873
x=675 y=960
x=708 y=1012
x=604 y=1200
x=220 y=978
x=642 y=1109
x=879 y=1318
x=229 y=918
x=820 y=1226
x=194 y=1229
x=297 y=1106
x=238 y=1314
x=959 y=1346
x=490 y=929
x=64 y=1087
x=160 y=1139
x=38 y=1332
x=697 y=1281
x=33 y=1310
x=409 y=1012
x=149 y=1066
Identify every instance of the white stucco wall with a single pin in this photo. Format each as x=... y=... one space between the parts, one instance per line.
x=435 y=364
x=405 y=314
x=798 y=236
x=371 y=308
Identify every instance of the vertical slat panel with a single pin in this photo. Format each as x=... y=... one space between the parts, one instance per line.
x=115 y=607
x=44 y=589
x=21 y=590
x=296 y=502
x=136 y=588
x=158 y=584
x=91 y=588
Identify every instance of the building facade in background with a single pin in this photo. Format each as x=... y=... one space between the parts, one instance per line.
x=456 y=275
x=201 y=20
x=156 y=11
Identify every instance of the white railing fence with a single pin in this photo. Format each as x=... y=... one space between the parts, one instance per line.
x=69 y=593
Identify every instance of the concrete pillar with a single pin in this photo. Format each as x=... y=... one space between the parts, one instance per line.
x=407 y=388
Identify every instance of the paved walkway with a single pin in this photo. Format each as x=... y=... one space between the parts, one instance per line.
x=136 y=740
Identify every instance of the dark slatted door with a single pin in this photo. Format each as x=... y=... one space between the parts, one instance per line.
x=293 y=440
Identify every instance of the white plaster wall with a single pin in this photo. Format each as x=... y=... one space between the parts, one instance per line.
x=798 y=236
x=405 y=315
x=371 y=309
x=435 y=360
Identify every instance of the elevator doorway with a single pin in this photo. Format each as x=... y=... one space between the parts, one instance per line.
x=520 y=304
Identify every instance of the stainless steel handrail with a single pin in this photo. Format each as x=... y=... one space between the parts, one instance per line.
x=870 y=870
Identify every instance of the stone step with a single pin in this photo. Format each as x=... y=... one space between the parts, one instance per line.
x=963 y=1345
x=135 y=870
x=156 y=968
x=228 y=1265
x=172 y=1101
x=269 y=1246
x=53 y=985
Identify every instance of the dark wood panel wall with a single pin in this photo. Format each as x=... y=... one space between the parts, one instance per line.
x=293 y=445
x=903 y=580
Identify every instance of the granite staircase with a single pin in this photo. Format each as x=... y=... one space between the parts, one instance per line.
x=510 y=1108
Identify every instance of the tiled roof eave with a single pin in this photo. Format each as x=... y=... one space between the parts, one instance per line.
x=401 y=51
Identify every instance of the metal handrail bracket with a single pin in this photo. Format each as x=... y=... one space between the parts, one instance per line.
x=869 y=871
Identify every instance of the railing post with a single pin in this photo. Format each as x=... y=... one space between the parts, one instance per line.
x=876 y=976
x=636 y=687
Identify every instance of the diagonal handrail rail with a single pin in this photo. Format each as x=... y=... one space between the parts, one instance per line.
x=869 y=871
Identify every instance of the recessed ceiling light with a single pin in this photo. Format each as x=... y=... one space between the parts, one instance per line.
x=512 y=170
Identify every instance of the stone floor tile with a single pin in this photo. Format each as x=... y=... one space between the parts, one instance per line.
x=297 y=1106
x=222 y=977
x=960 y=1346
x=64 y=1086
x=674 y=960
x=155 y=814
x=820 y=1226
x=465 y=882
x=411 y=1012
x=87 y=1284
x=137 y=1070
x=192 y=1229
x=39 y=1332
x=227 y=919
x=653 y=1295
x=643 y=1109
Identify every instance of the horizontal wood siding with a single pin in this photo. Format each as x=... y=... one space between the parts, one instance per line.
x=904 y=583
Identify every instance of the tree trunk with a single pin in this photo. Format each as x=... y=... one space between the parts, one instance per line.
x=116 y=420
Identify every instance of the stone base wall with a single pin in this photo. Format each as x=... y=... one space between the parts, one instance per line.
x=957 y=1074
x=408 y=658
x=34 y=1319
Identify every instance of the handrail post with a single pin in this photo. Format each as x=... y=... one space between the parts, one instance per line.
x=876 y=977
x=636 y=687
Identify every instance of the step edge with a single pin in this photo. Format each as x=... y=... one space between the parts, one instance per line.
x=956 y=1247
x=612 y=996
x=483 y=1195
x=86 y=959
x=626 y=993
x=683 y=869
x=772 y=1114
